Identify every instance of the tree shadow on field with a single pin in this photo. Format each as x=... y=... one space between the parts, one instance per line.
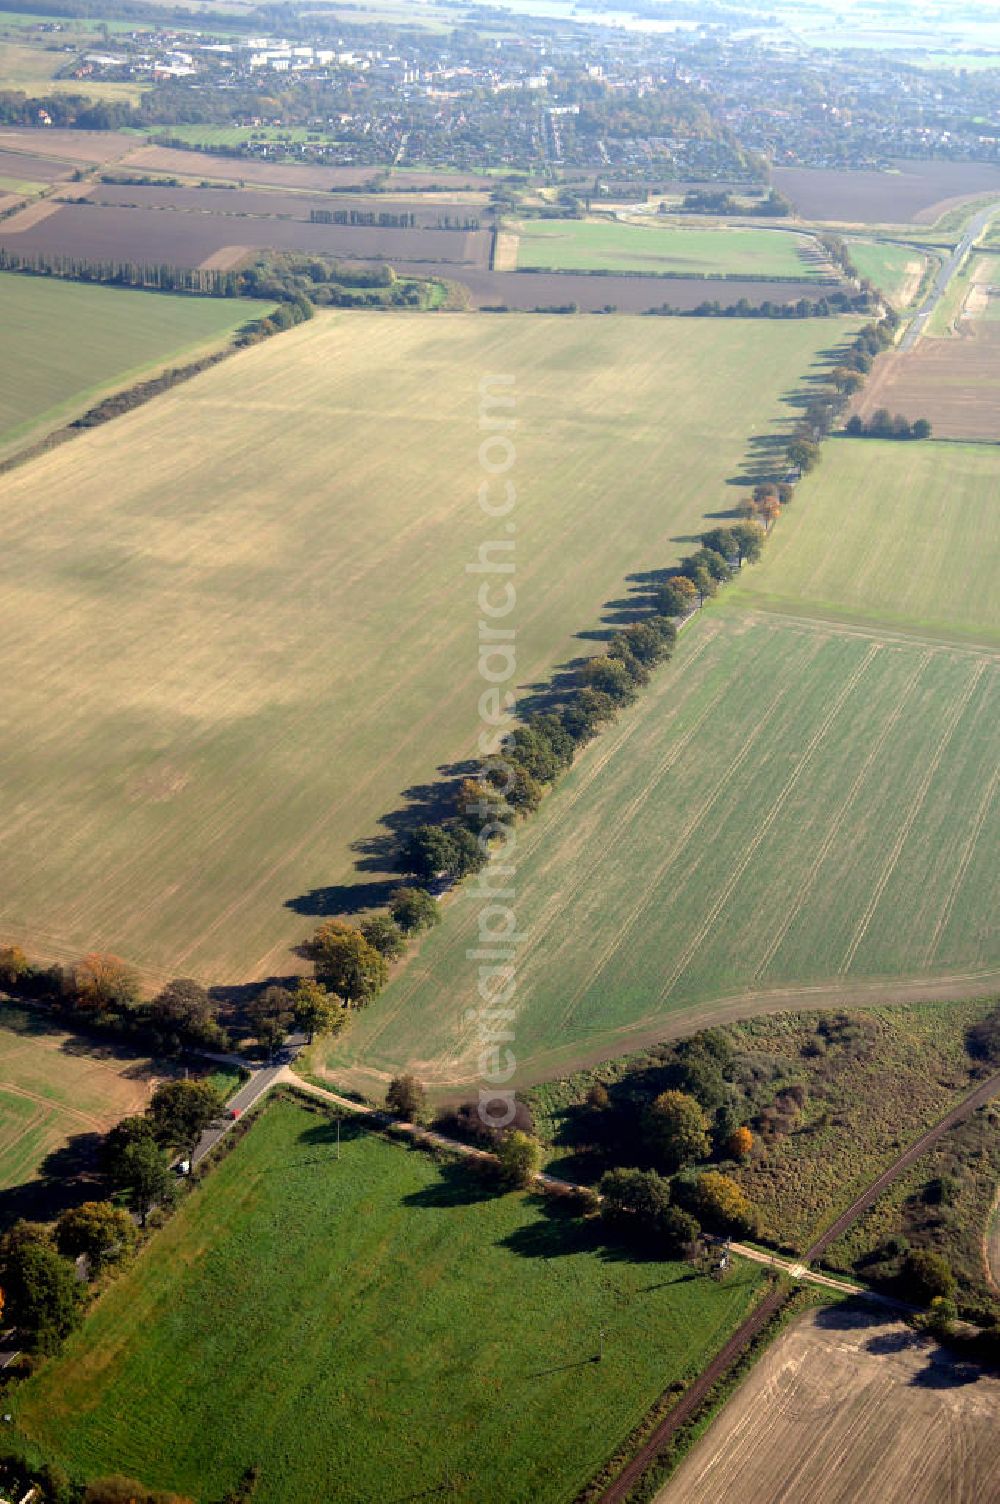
x=557 y=1230
x=323 y=1133
x=421 y=804
x=944 y=1370
x=66 y=1177
x=344 y=898
x=457 y=1185
x=885 y=1334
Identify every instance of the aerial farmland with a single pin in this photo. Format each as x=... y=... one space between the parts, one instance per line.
x=499 y=972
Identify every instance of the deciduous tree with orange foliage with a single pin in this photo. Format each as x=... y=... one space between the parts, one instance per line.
x=102 y=981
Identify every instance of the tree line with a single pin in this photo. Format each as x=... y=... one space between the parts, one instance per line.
x=882 y=425
x=384 y=220
x=501 y=790
x=300 y=281
x=351 y=961
x=826 y=406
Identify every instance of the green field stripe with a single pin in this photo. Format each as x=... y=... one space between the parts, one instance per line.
x=773 y=813
x=963 y=867
x=913 y=811
x=805 y=884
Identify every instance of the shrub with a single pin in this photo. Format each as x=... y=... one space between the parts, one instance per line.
x=678 y=1129
x=926 y=1274
x=520 y=1156
x=14 y=965
x=414 y=909
x=101 y=982
x=405 y=1098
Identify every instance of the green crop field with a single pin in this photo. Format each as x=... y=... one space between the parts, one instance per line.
x=299 y=1305
x=585 y=245
x=54 y=1087
x=240 y=621
x=903 y=535
x=66 y=343
x=895 y=269
x=790 y=806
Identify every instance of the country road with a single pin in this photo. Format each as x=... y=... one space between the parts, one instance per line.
x=945 y=272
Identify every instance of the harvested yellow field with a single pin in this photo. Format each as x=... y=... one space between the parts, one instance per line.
x=241 y=629
x=849 y=1406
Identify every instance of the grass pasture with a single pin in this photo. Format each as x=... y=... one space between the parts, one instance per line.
x=299 y=1305
x=611 y=246
x=849 y=1394
x=292 y=643
x=793 y=810
x=66 y=344
x=895 y=269
x=57 y=1090
x=905 y=535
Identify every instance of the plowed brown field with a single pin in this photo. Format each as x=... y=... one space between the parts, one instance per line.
x=953 y=382
x=915 y=193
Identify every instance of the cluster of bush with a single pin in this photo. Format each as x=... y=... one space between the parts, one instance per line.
x=293 y=277
x=296 y=309
x=882 y=425
x=709 y=201
x=666 y=1198
x=41 y=1263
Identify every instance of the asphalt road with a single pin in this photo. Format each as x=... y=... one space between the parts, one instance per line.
x=249 y=1093
x=946 y=271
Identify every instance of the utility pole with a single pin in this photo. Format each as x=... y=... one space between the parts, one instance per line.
x=600 y=1344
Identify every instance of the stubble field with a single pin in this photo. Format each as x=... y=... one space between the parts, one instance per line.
x=228 y=662
x=843 y=1399
x=57 y=1090
x=300 y=1304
